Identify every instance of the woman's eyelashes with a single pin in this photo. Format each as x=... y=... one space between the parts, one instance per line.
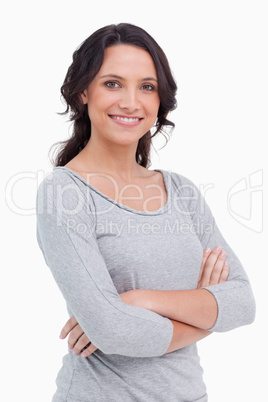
x=112 y=84
x=115 y=85
x=148 y=87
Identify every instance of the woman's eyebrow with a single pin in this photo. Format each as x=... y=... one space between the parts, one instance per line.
x=123 y=79
x=113 y=75
x=149 y=79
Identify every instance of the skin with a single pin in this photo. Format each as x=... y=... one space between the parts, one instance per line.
x=119 y=90
x=112 y=145
x=214 y=269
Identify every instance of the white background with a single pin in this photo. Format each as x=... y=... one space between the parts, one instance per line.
x=218 y=54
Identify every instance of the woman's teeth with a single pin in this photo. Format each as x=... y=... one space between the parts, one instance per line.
x=126 y=119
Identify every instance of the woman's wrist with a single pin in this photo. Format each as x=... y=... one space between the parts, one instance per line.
x=138 y=298
x=196 y=307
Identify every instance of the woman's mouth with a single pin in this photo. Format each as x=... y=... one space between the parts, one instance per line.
x=123 y=120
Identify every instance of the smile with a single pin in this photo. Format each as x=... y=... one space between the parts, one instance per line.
x=126 y=119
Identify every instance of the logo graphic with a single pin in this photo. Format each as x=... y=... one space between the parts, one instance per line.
x=245 y=201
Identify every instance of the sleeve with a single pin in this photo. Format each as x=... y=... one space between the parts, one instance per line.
x=235 y=299
x=66 y=236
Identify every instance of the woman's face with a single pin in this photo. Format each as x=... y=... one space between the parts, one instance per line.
x=123 y=98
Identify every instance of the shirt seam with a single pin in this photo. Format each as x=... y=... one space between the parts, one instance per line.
x=164 y=209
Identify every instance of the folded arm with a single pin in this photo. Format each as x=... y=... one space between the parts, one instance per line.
x=66 y=236
x=196 y=307
x=213 y=270
x=217 y=305
x=234 y=298
x=183 y=335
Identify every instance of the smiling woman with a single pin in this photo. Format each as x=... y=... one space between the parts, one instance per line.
x=87 y=62
x=130 y=102
x=136 y=253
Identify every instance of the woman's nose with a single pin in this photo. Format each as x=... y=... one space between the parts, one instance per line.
x=129 y=100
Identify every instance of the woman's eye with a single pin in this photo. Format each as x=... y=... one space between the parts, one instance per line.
x=112 y=84
x=148 y=87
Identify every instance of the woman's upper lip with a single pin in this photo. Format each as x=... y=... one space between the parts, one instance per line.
x=126 y=116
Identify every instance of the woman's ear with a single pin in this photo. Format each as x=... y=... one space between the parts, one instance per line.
x=84 y=97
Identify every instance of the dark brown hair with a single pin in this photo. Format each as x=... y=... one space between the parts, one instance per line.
x=87 y=61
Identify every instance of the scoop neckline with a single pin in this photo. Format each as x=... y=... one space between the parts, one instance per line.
x=158 y=211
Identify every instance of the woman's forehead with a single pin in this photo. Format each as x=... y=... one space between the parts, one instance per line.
x=123 y=59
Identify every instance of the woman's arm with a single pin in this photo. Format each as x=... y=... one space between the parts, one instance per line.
x=213 y=270
x=183 y=335
x=234 y=298
x=196 y=307
x=66 y=236
x=215 y=306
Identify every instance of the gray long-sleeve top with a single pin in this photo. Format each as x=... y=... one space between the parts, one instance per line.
x=97 y=248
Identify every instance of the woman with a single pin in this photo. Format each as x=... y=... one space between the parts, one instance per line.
x=135 y=252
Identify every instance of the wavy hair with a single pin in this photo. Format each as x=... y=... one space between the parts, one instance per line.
x=87 y=61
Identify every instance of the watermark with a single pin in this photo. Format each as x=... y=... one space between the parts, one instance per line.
x=20 y=178
x=131 y=226
x=245 y=201
x=244 y=198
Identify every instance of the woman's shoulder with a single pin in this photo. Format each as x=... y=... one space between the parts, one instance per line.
x=59 y=175
x=62 y=184
x=182 y=183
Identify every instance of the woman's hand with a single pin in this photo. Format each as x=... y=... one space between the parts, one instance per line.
x=77 y=340
x=214 y=268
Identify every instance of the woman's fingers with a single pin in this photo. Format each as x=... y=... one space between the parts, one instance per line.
x=82 y=343
x=84 y=346
x=206 y=253
x=70 y=324
x=217 y=269
x=224 y=273
x=214 y=268
x=75 y=336
x=77 y=340
x=88 y=350
x=208 y=267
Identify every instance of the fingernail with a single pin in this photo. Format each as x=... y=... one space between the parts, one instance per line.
x=218 y=248
x=75 y=352
x=222 y=253
x=207 y=250
x=83 y=354
x=61 y=336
